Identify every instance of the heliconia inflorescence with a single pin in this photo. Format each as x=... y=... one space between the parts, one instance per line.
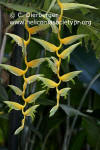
x=54 y=63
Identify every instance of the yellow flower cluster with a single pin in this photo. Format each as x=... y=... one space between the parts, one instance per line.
x=54 y=63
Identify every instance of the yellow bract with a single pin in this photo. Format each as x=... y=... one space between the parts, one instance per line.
x=16 y=90
x=69 y=76
x=64 y=91
x=29 y=111
x=48 y=46
x=35 y=29
x=20 y=41
x=34 y=96
x=33 y=78
x=35 y=63
x=53 y=110
x=19 y=130
x=47 y=82
x=54 y=63
x=17 y=39
x=71 y=39
x=14 y=105
x=69 y=50
x=14 y=70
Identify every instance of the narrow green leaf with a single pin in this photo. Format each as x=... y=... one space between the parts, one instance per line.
x=16 y=90
x=14 y=70
x=51 y=5
x=17 y=7
x=69 y=50
x=48 y=46
x=71 y=111
x=68 y=6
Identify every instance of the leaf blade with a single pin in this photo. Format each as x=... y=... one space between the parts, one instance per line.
x=71 y=111
x=68 y=6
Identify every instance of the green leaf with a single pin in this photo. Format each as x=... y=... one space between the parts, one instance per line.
x=14 y=105
x=17 y=7
x=72 y=39
x=69 y=50
x=53 y=26
x=36 y=62
x=51 y=5
x=33 y=78
x=48 y=46
x=30 y=112
x=14 y=70
x=47 y=82
x=92 y=131
x=68 y=6
x=53 y=110
x=70 y=76
x=19 y=130
x=71 y=111
x=34 y=96
x=78 y=141
x=16 y=90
